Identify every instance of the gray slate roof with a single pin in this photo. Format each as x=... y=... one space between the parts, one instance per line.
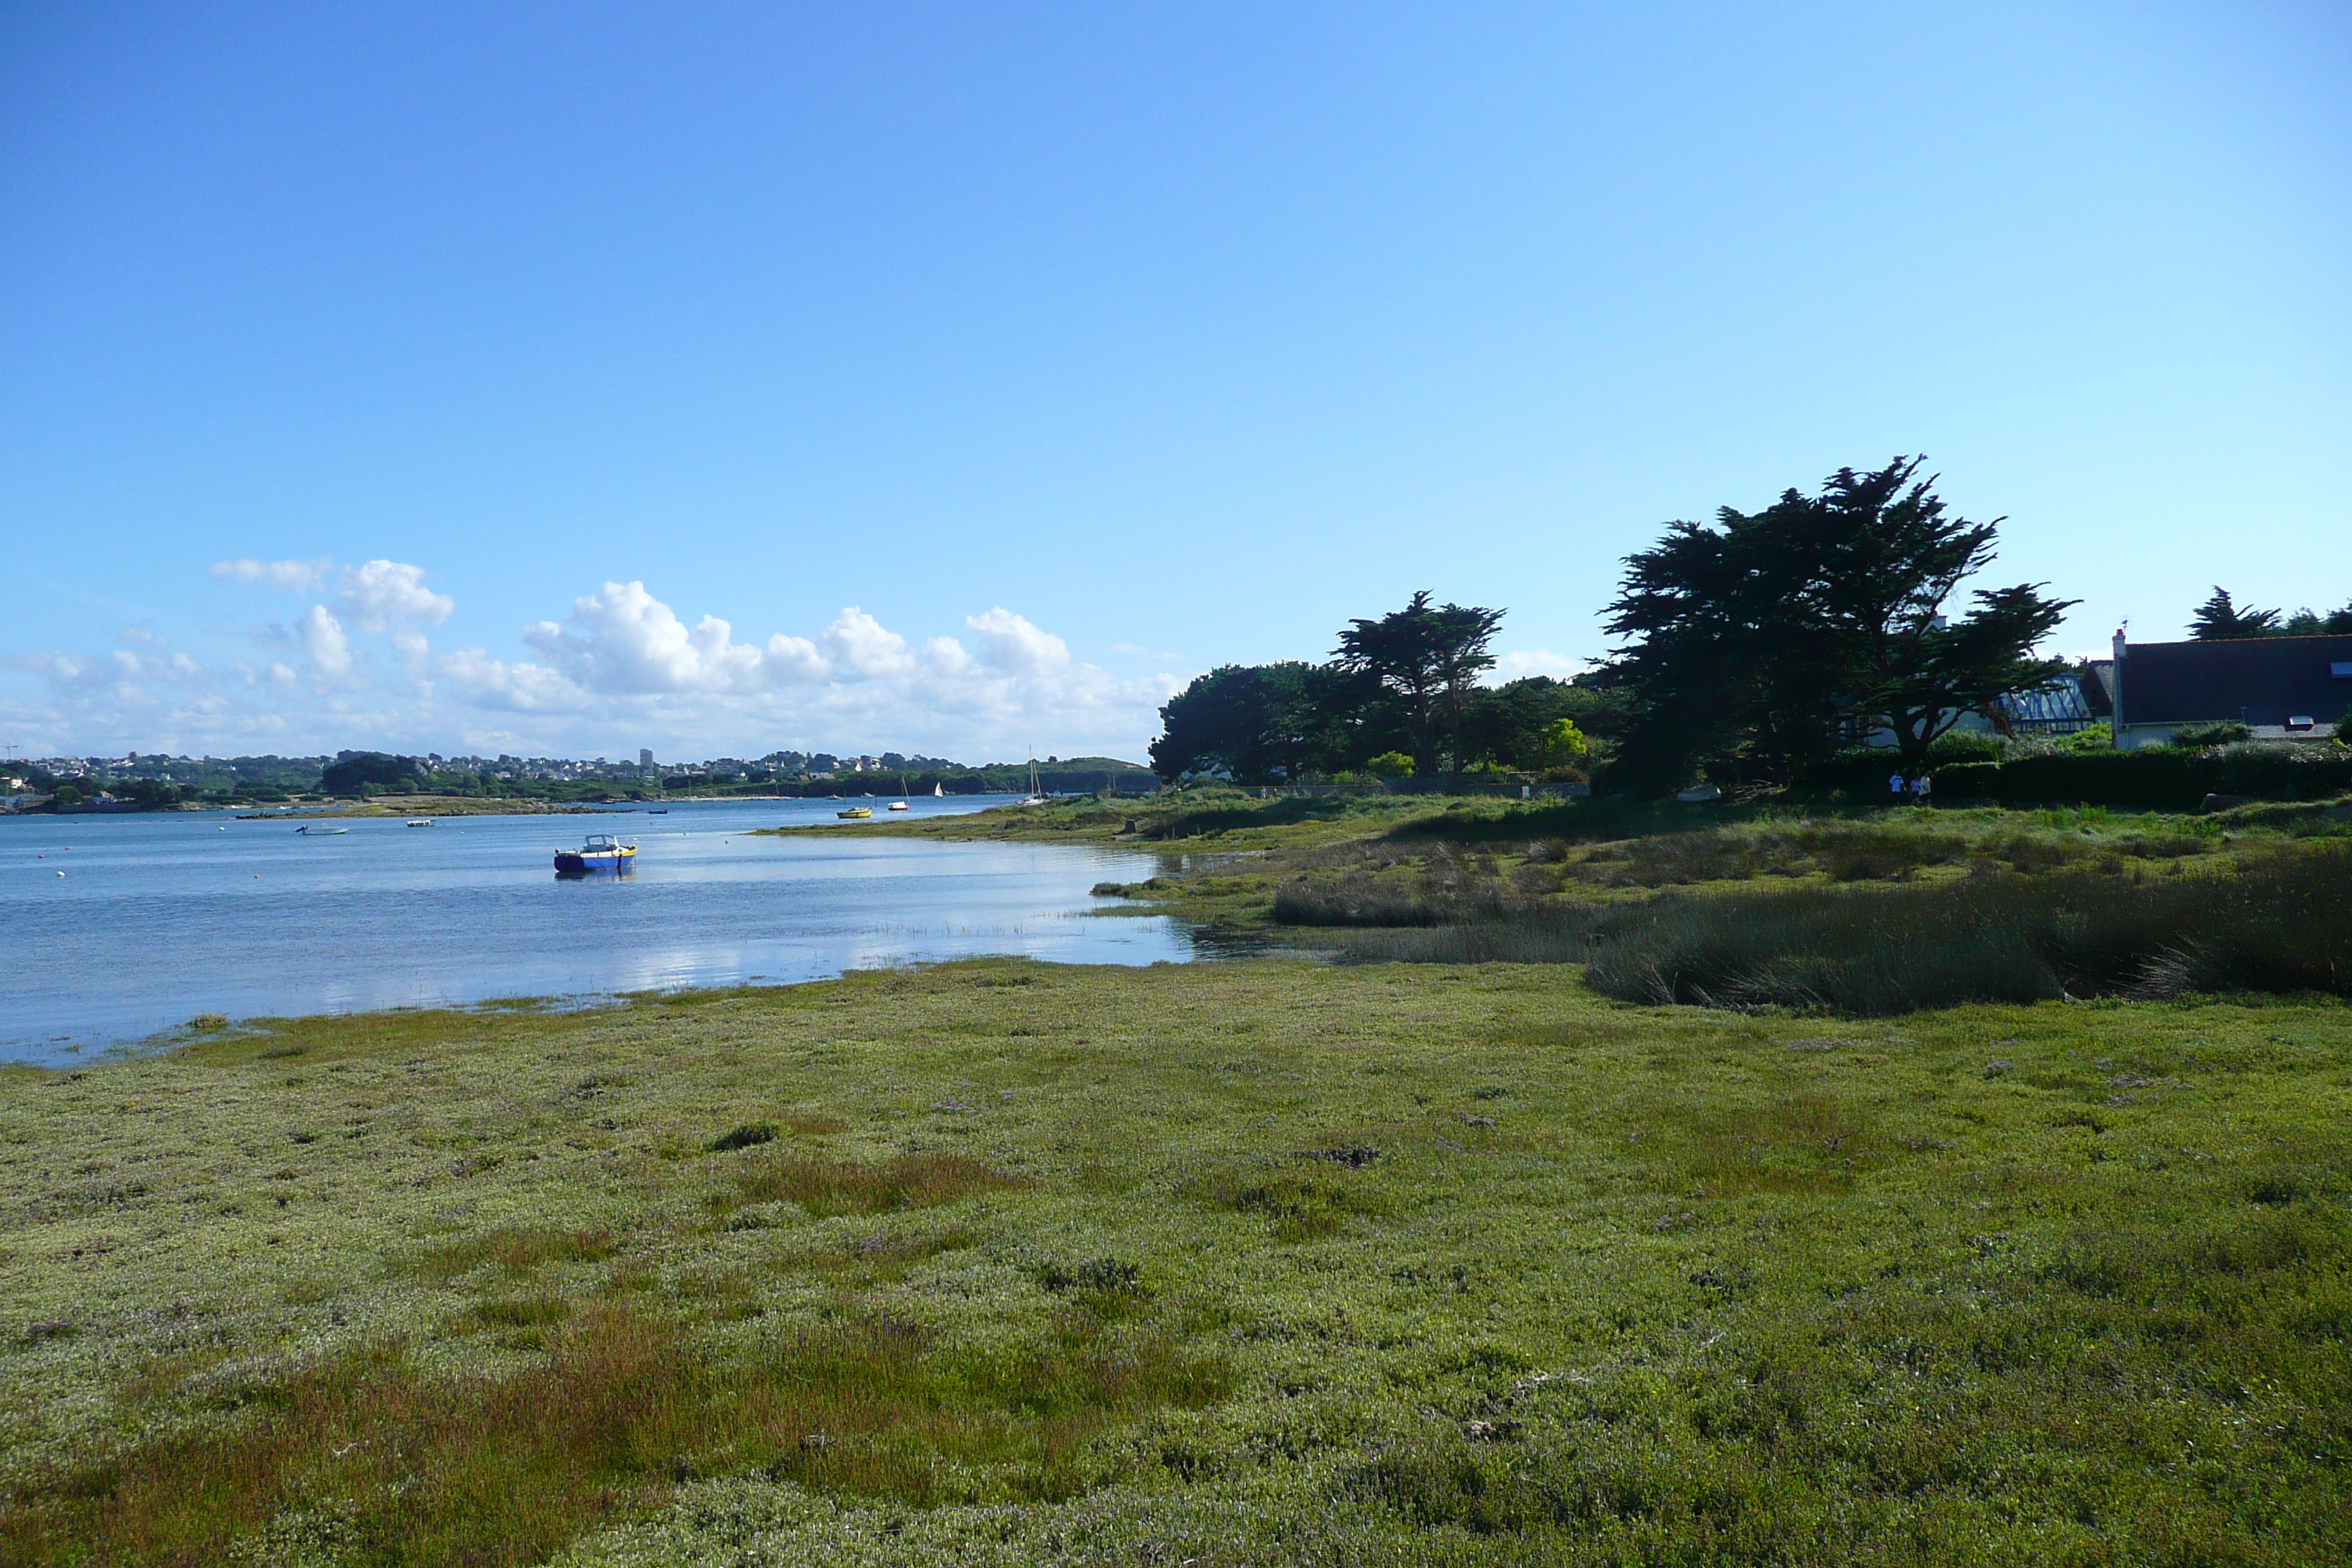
x=2258 y=681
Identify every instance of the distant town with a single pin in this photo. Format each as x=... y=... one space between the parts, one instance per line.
x=156 y=780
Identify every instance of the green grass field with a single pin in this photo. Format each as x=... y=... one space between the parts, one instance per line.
x=1245 y=1263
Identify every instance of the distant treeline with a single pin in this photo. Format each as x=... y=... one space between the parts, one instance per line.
x=366 y=774
x=1755 y=648
x=377 y=773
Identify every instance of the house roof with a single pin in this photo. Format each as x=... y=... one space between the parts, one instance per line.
x=2096 y=677
x=2256 y=680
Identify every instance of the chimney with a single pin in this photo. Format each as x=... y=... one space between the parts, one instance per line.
x=2122 y=646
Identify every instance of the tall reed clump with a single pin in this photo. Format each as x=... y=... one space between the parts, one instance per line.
x=2283 y=924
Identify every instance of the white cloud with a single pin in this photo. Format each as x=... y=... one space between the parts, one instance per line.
x=1534 y=661
x=1010 y=643
x=377 y=596
x=863 y=647
x=383 y=593
x=323 y=639
x=795 y=659
x=520 y=688
x=292 y=576
x=630 y=642
x=622 y=669
x=947 y=659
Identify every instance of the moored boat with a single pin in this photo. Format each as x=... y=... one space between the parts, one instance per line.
x=856 y=813
x=602 y=852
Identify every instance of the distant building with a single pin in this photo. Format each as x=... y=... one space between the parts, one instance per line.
x=2281 y=688
x=645 y=759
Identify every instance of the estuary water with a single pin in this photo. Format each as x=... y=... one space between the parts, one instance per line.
x=161 y=917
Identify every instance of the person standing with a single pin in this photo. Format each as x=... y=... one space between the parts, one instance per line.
x=1895 y=788
x=1921 y=788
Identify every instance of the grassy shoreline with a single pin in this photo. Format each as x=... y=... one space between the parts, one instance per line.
x=1241 y=1263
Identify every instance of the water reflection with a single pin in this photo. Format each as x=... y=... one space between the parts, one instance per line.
x=168 y=916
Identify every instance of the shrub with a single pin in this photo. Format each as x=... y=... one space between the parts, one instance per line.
x=2157 y=778
x=2201 y=737
x=744 y=1137
x=1960 y=746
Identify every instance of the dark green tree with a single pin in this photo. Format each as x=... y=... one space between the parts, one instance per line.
x=1257 y=723
x=2312 y=623
x=2219 y=620
x=1511 y=724
x=1427 y=659
x=1767 y=640
x=352 y=772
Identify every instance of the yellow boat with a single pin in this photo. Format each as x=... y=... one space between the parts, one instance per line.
x=856 y=812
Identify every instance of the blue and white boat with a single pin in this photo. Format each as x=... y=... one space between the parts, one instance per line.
x=603 y=852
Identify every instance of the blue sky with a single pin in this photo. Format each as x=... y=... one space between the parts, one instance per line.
x=989 y=370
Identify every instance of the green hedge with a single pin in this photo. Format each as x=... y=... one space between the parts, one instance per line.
x=2155 y=779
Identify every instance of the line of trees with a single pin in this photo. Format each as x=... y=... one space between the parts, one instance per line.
x=1401 y=695
x=1755 y=647
x=2219 y=619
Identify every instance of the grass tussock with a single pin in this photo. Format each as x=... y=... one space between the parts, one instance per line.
x=396 y=1467
x=2012 y=916
x=519 y=1252
x=2283 y=924
x=826 y=1187
x=1301 y=1202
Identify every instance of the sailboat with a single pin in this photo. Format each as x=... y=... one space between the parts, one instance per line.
x=938 y=790
x=1036 y=795
x=900 y=803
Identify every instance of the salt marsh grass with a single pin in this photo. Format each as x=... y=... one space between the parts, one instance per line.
x=1251 y=1263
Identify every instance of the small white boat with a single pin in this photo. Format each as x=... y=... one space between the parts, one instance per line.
x=603 y=852
x=1036 y=795
x=939 y=790
x=316 y=831
x=420 y=822
x=900 y=806
x=900 y=803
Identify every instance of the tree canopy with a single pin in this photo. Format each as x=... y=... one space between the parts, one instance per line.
x=1262 y=721
x=2219 y=619
x=1427 y=658
x=1766 y=638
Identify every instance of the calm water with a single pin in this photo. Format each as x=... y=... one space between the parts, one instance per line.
x=159 y=918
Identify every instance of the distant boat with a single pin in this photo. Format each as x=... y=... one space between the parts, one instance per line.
x=900 y=803
x=1036 y=797
x=938 y=790
x=602 y=852
x=656 y=811
x=855 y=812
x=420 y=822
x=317 y=832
